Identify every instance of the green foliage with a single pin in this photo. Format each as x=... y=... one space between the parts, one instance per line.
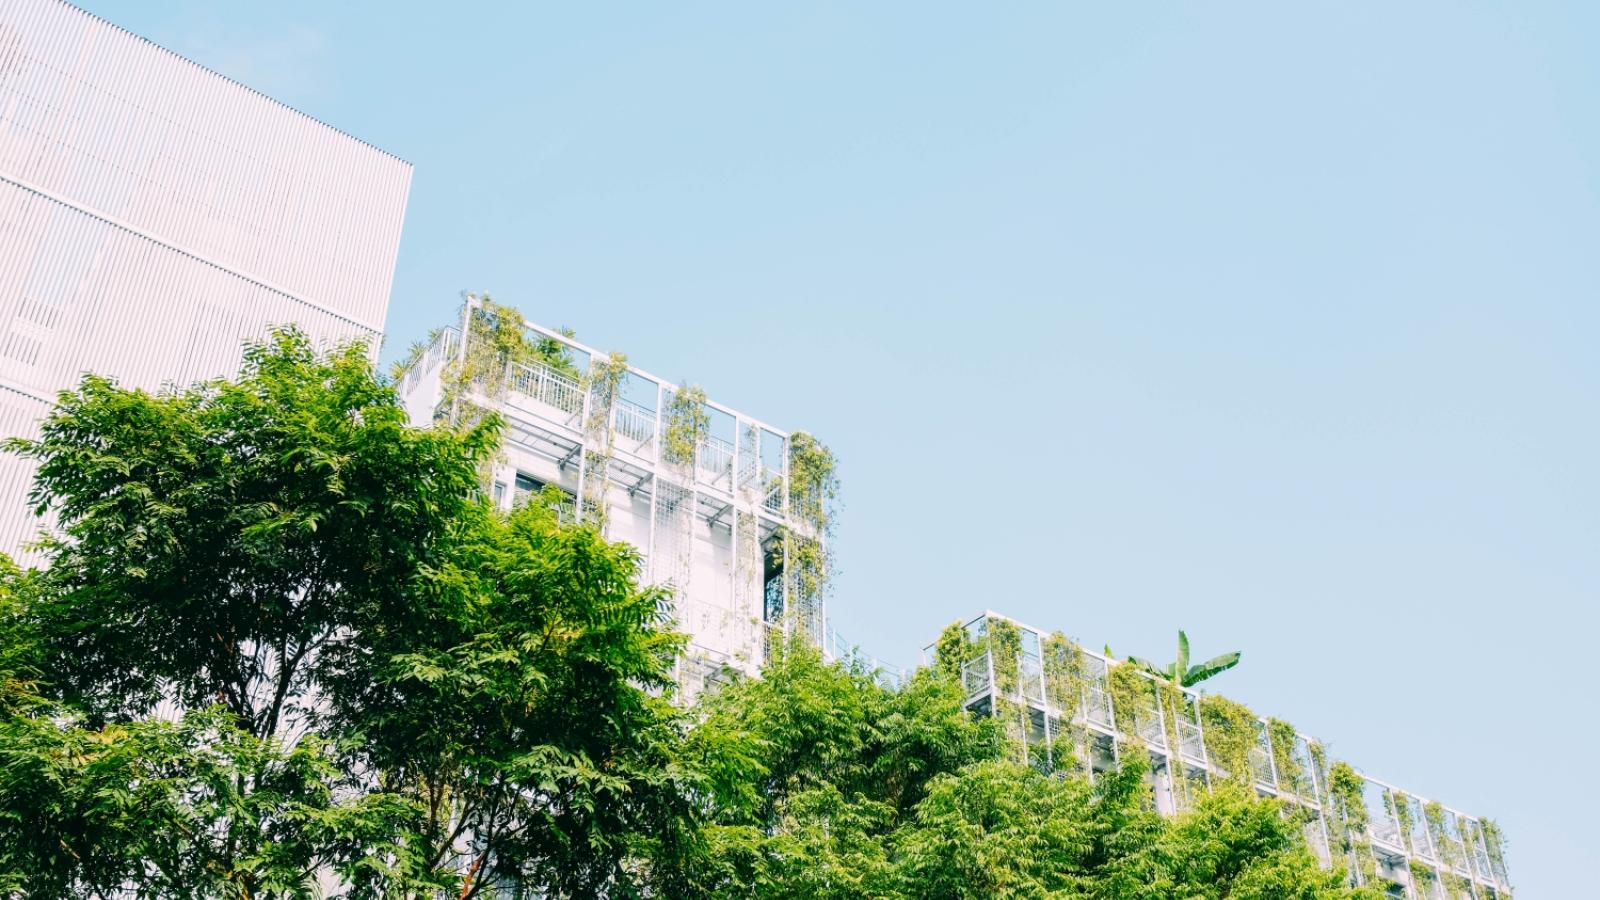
x=809 y=566
x=813 y=481
x=606 y=375
x=192 y=808
x=222 y=543
x=368 y=678
x=687 y=425
x=413 y=354
x=1291 y=774
x=1231 y=729
x=497 y=337
x=1133 y=697
x=832 y=786
x=1004 y=642
x=1180 y=673
x=1422 y=875
x=1347 y=789
x=952 y=650
x=530 y=724
x=376 y=678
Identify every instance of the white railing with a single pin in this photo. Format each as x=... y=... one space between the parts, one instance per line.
x=714 y=456
x=975 y=675
x=442 y=350
x=1261 y=766
x=1191 y=742
x=774 y=499
x=633 y=421
x=548 y=386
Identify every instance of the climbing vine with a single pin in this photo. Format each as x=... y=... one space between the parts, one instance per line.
x=1449 y=852
x=1346 y=787
x=496 y=338
x=688 y=424
x=1005 y=647
x=1349 y=809
x=1063 y=673
x=1400 y=805
x=1063 y=665
x=606 y=374
x=952 y=650
x=1133 y=698
x=813 y=489
x=813 y=481
x=1230 y=732
x=1422 y=875
x=1291 y=775
x=808 y=564
x=1492 y=840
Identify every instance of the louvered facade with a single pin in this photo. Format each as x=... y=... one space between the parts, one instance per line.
x=154 y=215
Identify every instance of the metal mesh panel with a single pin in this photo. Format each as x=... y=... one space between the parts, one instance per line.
x=749 y=456
x=674 y=547
x=747 y=588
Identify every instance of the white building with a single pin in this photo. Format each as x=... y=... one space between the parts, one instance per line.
x=718 y=518
x=1067 y=707
x=154 y=215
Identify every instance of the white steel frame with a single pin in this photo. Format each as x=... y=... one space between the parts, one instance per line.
x=1393 y=851
x=546 y=413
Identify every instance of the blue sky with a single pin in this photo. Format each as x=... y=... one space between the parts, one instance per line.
x=1274 y=322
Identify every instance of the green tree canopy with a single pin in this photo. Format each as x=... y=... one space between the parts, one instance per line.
x=281 y=647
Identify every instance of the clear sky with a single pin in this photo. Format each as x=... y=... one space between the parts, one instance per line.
x=1274 y=322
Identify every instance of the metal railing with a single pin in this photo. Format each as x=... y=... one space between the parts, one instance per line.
x=714 y=457
x=633 y=421
x=975 y=675
x=542 y=383
x=442 y=350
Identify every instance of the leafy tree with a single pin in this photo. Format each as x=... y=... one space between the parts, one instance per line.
x=188 y=808
x=839 y=787
x=283 y=646
x=532 y=725
x=233 y=542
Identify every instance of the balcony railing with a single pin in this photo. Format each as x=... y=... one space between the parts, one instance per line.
x=975 y=675
x=1261 y=767
x=773 y=502
x=546 y=385
x=633 y=422
x=714 y=459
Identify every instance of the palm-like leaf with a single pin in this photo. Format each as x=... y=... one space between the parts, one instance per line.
x=1210 y=668
x=1180 y=672
x=1151 y=667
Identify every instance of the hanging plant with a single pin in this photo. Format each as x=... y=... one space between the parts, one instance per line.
x=688 y=425
x=813 y=481
x=1005 y=647
x=1230 y=732
x=1133 y=698
x=952 y=650
x=497 y=337
x=1291 y=775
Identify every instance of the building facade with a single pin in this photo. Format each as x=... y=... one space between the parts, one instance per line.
x=727 y=510
x=154 y=215
x=1068 y=707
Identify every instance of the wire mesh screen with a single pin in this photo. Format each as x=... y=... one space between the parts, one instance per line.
x=674 y=539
